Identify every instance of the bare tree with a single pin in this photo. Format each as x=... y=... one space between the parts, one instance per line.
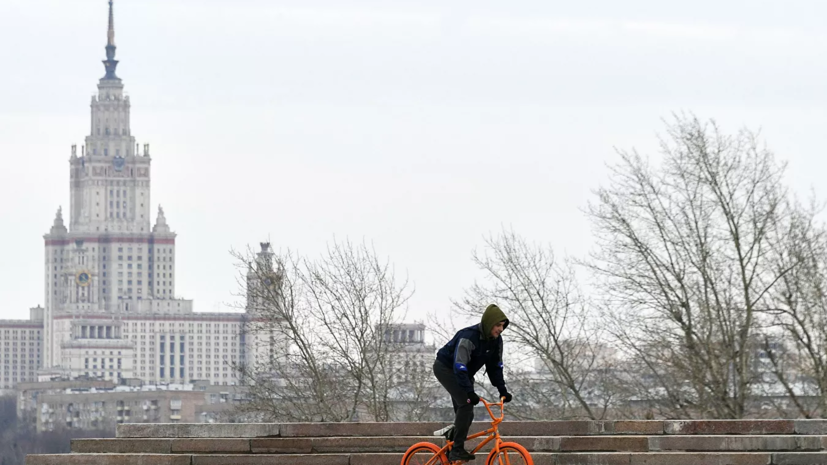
x=549 y=324
x=685 y=261
x=443 y=324
x=286 y=375
x=318 y=327
x=798 y=353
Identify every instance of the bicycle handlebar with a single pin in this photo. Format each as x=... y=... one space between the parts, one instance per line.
x=500 y=404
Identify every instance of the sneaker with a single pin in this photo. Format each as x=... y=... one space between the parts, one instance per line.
x=459 y=454
x=447 y=432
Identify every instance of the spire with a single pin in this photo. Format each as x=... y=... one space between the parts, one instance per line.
x=58 y=227
x=110 y=34
x=110 y=63
x=160 y=222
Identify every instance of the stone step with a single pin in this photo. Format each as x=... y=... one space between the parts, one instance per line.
x=508 y=428
x=401 y=444
x=540 y=458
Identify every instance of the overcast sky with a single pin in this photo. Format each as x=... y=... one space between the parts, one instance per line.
x=418 y=126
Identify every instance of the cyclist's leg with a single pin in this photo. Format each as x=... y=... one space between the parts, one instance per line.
x=463 y=410
x=448 y=431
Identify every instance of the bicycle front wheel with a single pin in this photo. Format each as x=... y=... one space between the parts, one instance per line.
x=510 y=453
x=424 y=453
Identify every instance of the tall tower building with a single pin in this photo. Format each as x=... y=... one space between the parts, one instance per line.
x=110 y=262
x=110 y=310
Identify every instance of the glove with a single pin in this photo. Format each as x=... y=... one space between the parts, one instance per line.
x=506 y=397
x=473 y=398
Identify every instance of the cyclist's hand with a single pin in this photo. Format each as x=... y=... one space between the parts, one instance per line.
x=473 y=398
x=506 y=397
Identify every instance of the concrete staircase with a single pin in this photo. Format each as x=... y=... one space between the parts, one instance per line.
x=714 y=442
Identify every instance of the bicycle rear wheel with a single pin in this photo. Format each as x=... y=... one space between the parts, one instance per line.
x=424 y=453
x=510 y=453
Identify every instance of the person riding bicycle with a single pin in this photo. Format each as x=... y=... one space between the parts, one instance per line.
x=457 y=363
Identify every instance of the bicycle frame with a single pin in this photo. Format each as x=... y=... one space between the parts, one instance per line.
x=492 y=432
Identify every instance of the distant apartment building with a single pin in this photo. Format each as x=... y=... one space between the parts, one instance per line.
x=20 y=349
x=100 y=404
x=408 y=349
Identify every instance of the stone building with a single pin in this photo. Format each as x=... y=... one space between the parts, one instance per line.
x=111 y=309
x=408 y=350
x=20 y=349
x=101 y=404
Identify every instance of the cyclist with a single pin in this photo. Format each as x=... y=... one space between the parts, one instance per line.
x=457 y=363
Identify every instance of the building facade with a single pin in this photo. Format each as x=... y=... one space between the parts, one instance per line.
x=21 y=349
x=98 y=404
x=111 y=310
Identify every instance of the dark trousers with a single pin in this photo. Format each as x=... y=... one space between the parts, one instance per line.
x=463 y=410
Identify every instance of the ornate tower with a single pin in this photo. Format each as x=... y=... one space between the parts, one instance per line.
x=110 y=261
x=110 y=182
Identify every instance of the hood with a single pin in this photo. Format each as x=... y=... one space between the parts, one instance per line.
x=491 y=317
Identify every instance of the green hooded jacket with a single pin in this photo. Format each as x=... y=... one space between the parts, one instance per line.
x=473 y=347
x=491 y=317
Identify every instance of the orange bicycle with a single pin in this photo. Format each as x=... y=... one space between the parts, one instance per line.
x=503 y=453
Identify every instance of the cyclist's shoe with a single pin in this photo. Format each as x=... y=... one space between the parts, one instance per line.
x=460 y=455
x=447 y=432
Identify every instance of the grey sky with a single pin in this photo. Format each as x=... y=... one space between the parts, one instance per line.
x=420 y=126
